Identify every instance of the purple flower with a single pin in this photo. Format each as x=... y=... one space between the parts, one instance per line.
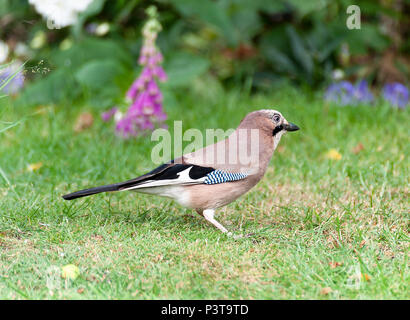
x=396 y=94
x=362 y=92
x=344 y=93
x=106 y=116
x=125 y=127
x=15 y=80
x=145 y=111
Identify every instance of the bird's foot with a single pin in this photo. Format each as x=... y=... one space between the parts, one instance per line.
x=240 y=236
x=235 y=236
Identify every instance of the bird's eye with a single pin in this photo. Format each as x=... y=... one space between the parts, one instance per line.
x=276 y=118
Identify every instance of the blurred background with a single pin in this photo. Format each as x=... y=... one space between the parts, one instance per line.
x=256 y=44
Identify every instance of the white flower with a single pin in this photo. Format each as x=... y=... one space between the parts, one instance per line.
x=118 y=116
x=338 y=74
x=102 y=29
x=60 y=13
x=4 y=51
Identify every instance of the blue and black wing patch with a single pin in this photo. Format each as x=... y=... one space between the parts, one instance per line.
x=219 y=176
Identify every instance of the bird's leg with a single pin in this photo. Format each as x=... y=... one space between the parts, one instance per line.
x=209 y=216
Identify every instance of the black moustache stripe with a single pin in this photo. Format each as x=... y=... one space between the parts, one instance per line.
x=277 y=129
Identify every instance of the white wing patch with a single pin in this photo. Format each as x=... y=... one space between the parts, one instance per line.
x=183 y=178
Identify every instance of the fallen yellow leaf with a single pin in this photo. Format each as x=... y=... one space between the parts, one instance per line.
x=333 y=154
x=366 y=277
x=34 y=166
x=70 y=271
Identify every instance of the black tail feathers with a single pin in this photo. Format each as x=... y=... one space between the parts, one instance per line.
x=162 y=171
x=89 y=192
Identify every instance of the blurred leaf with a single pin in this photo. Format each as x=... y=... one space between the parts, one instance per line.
x=93 y=8
x=59 y=85
x=126 y=11
x=247 y=23
x=210 y=12
x=106 y=98
x=299 y=51
x=170 y=38
x=322 y=41
x=182 y=68
x=328 y=49
x=91 y=49
x=4 y=8
x=275 y=38
x=259 y=5
x=305 y=7
x=369 y=36
x=99 y=74
x=371 y=7
x=280 y=61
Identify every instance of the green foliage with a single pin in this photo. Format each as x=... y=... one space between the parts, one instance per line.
x=211 y=13
x=91 y=49
x=90 y=67
x=367 y=37
x=182 y=68
x=97 y=75
x=93 y=9
x=57 y=87
x=300 y=57
x=260 y=42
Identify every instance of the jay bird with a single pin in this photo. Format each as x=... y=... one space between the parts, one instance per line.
x=216 y=175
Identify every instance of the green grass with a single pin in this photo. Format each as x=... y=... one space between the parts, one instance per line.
x=317 y=223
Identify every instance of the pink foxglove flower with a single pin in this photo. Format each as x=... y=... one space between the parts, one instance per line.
x=146 y=111
x=106 y=116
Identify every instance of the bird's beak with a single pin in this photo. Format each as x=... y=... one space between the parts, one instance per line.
x=290 y=127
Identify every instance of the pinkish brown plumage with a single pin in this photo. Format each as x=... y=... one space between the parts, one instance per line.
x=216 y=175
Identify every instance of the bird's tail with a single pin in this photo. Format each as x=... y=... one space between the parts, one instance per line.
x=89 y=192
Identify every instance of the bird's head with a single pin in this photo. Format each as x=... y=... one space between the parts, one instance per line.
x=280 y=124
x=271 y=122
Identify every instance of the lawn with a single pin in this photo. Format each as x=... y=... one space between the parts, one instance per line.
x=322 y=228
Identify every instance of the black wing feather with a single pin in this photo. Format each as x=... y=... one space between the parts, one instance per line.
x=167 y=171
